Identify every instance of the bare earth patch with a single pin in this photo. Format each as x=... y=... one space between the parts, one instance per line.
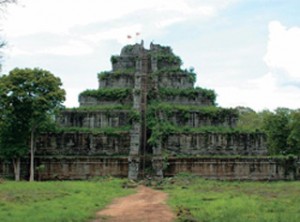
x=147 y=205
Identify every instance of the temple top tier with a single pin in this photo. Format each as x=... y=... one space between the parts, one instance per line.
x=158 y=68
x=158 y=56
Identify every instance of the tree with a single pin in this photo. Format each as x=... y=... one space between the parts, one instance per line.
x=28 y=97
x=13 y=141
x=294 y=136
x=250 y=120
x=276 y=126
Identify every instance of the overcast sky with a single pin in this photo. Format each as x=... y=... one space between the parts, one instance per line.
x=248 y=51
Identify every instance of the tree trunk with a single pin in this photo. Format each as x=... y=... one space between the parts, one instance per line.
x=32 y=145
x=17 y=168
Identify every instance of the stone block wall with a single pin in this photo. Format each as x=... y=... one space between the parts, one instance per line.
x=123 y=62
x=69 y=167
x=117 y=81
x=73 y=168
x=75 y=143
x=216 y=144
x=183 y=100
x=93 y=101
x=179 y=80
x=227 y=168
x=94 y=119
x=164 y=64
x=198 y=119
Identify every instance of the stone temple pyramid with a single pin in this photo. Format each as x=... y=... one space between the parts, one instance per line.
x=146 y=118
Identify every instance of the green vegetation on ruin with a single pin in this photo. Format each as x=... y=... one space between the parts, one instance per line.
x=159 y=113
x=57 y=201
x=163 y=56
x=175 y=71
x=282 y=128
x=110 y=131
x=184 y=110
x=128 y=48
x=100 y=108
x=114 y=59
x=190 y=93
x=110 y=110
x=116 y=74
x=110 y=94
x=170 y=59
x=160 y=130
x=197 y=199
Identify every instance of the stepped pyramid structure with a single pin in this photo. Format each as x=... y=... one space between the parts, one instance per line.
x=145 y=117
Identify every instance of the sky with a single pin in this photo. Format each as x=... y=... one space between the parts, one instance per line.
x=248 y=51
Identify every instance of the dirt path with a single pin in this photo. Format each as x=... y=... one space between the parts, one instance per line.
x=147 y=205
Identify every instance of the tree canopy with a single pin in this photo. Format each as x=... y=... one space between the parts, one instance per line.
x=282 y=128
x=32 y=92
x=27 y=98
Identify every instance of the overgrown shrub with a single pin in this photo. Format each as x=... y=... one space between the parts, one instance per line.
x=110 y=94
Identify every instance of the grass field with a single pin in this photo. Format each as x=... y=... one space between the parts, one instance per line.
x=192 y=198
x=196 y=199
x=57 y=201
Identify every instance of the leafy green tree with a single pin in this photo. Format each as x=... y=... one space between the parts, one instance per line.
x=13 y=144
x=282 y=128
x=29 y=97
x=294 y=136
x=276 y=126
x=250 y=120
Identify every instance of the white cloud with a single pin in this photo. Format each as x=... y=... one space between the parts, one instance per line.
x=39 y=31
x=72 y=48
x=182 y=6
x=283 y=50
x=59 y=17
x=280 y=87
x=168 y=22
x=119 y=34
x=259 y=94
x=14 y=51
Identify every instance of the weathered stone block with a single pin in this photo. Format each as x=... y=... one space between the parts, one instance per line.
x=117 y=81
x=233 y=168
x=216 y=144
x=75 y=143
x=94 y=119
x=94 y=101
x=179 y=81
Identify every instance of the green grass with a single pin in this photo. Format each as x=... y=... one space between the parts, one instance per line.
x=191 y=197
x=197 y=199
x=57 y=201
